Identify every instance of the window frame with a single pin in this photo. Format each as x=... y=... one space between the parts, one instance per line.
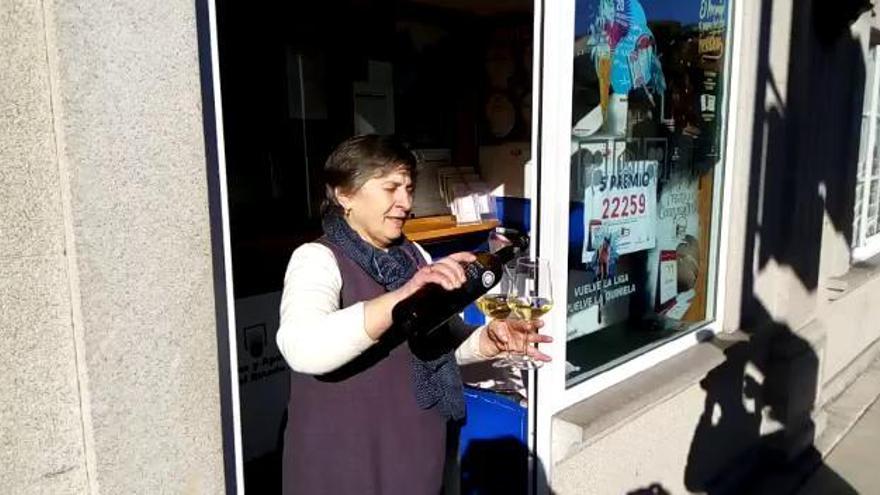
x=218 y=197
x=863 y=245
x=553 y=220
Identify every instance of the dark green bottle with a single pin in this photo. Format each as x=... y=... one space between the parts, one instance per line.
x=432 y=305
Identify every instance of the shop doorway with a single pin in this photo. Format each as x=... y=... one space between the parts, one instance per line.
x=452 y=78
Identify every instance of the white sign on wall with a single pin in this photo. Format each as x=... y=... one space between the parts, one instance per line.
x=263 y=375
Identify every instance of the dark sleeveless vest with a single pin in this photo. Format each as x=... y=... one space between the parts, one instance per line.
x=358 y=430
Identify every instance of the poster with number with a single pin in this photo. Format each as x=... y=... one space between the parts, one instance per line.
x=620 y=204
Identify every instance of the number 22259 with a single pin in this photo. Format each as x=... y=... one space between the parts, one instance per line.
x=623 y=206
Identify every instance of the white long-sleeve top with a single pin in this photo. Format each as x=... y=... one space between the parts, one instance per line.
x=315 y=336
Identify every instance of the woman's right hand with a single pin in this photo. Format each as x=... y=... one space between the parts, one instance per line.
x=446 y=272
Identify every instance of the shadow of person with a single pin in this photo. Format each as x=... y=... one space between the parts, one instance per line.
x=789 y=392
x=652 y=489
x=755 y=434
x=496 y=466
x=730 y=422
x=825 y=481
x=757 y=420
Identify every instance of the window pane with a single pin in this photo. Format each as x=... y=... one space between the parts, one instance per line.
x=873 y=205
x=861 y=223
x=875 y=161
x=646 y=132
x=860 y=186
x=863 y=145
x=857 y=217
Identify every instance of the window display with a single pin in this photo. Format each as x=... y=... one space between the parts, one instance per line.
x=647 y=125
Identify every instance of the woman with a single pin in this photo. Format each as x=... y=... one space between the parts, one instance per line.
x=367 y=414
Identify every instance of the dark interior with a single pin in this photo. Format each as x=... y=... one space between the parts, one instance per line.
x=288 y=70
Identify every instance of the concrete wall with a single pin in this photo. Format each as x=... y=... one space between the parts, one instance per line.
x=848 y=291
x=853 y=324
x=41 y=432
x=638 y=453
x=106 y=286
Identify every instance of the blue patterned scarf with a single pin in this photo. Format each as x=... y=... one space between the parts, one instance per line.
x=437 y=382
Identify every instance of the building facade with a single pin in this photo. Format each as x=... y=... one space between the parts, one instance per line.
x=117 y=284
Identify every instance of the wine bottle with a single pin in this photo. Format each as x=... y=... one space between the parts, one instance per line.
x=431 y=306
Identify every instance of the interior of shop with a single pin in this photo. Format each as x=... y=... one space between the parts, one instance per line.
x=298 y=78
x=452 y=78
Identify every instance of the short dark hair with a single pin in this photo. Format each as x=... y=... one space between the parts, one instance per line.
x=361 y=158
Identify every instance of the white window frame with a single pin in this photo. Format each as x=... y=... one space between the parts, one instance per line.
x=206 y=10
x=548 y=394
x=865 y=246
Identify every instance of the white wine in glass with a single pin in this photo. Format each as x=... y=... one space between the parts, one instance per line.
x=530 y=297
x=531 y=308
x=494 y=306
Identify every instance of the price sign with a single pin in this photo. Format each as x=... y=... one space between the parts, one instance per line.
x=622 y=199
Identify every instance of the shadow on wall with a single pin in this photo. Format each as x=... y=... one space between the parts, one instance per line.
x=652 y=489
x=757 y=421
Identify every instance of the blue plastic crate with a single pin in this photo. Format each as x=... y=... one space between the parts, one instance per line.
x=492 y=446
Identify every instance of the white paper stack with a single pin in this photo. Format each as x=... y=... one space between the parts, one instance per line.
x=467 y=195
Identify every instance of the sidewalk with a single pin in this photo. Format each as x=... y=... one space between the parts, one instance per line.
x=845 y=459
x=850 y=444
x=854 y=460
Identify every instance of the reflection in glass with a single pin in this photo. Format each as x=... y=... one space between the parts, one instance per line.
x=646 y=139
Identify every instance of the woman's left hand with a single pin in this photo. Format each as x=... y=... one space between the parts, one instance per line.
x=514 y=336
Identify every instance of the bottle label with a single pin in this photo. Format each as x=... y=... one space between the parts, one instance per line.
x=488 y=279
x=472 y=270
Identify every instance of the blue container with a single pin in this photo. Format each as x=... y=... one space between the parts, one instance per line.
x=491 y=415
x=492 y=445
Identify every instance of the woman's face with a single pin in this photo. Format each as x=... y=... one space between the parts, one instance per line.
x=378 y=210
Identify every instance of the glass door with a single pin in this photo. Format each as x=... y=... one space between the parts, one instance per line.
x=632 y=147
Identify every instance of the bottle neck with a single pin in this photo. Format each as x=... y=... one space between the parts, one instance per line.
x=506 y=254
x=517 y=244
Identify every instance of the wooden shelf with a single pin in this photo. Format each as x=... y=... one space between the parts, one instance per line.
x=443 y=227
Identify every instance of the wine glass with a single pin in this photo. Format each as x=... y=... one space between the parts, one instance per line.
x=530 y=296
x=495 y=307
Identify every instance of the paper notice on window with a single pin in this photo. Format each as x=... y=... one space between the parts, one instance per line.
x=668 y=276
x=622 y=198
